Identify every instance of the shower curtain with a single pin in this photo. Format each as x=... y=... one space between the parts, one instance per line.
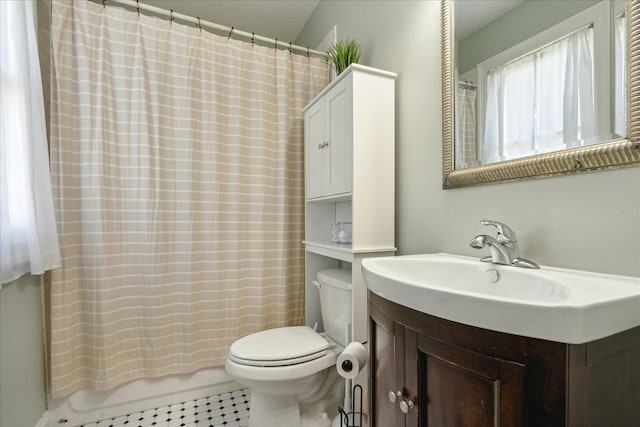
x=177 y=165
x=466 y=146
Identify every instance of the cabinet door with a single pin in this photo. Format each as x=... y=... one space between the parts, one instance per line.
x=464 y=388
x=339 y=111
x=385 y=375
x=316 y=152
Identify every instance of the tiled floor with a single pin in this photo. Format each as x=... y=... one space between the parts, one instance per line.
x=225 y=410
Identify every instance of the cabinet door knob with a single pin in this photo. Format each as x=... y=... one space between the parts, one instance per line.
x=325 y=144
x=406 y=406
x=394 y=396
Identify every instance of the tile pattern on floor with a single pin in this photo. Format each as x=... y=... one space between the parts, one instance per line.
x=224 y=410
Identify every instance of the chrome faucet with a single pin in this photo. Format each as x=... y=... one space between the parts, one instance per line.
x=504 y=248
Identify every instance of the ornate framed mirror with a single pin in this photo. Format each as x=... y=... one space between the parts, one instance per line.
x=613 y=148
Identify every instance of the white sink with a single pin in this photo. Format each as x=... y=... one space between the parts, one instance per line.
x=556 y=304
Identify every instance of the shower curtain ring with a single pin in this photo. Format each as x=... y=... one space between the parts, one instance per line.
x=290 y=49
x=230 y=32
x=104 y=3
x=138 y=6
x=199 y=25
x=308 y=54
x=253 y=38
x=171 y=17
x=275 y=45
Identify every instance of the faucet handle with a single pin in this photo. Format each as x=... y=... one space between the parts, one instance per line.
x=505 y=234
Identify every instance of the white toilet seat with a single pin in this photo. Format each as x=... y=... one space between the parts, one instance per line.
x=282 y=373
x=279 y=347
x=284 y=369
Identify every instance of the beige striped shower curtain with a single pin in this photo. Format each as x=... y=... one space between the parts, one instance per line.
x=177 y=163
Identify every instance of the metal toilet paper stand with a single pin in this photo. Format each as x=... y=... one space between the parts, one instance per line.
x=348 y=419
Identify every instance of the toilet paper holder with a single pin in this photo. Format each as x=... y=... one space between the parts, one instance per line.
x=347 y=365
x=352 y=360
x=354 y=417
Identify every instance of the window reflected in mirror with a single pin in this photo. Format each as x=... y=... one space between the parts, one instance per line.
x=535 y=77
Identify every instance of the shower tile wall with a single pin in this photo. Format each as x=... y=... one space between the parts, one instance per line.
x=224 y=410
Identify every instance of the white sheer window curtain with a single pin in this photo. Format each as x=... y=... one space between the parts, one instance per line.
x=28 y=230
x=541 y=102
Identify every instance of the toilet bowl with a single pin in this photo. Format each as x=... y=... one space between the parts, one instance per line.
x=284 y=378
x=285 y=365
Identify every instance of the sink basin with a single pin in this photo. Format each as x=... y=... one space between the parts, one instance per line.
x=555 y=304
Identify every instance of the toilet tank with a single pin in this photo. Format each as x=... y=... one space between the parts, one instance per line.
x=335 y=302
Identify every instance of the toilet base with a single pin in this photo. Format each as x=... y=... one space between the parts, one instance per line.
x=268 y=410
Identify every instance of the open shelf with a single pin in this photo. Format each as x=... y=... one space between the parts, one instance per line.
x=341 y=252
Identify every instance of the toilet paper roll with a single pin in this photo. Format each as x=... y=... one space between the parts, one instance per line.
x=351 y=360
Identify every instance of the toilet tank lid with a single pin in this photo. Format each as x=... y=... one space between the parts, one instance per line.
x=337 y=277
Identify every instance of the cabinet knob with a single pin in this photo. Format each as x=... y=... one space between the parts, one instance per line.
x=406 y=406
x=325 y=144
x=395 y=396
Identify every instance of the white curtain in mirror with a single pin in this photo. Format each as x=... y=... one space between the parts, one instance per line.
x=28 y=231
x=541 y=102
x=620 y=80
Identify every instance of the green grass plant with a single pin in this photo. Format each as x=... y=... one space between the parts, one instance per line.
x=344 y=52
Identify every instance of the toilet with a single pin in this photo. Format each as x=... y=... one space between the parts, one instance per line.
x=285 y=365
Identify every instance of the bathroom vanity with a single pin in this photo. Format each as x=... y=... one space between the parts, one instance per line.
x=425 y=370
x=451 y=374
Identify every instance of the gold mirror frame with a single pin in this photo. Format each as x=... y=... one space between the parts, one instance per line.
x=612 y=154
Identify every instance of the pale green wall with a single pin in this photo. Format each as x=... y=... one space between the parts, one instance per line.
x=587 y=221
x=22 y=377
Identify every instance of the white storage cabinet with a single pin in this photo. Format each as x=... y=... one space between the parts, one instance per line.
x=349 y=177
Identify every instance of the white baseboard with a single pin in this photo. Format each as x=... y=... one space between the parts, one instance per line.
x=44 y=421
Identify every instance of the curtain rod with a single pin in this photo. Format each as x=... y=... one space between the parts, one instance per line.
x=463 y=84
x=589 y=26
x=201 y=23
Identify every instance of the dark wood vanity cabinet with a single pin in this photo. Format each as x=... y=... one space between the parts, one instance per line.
x=427 y=371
